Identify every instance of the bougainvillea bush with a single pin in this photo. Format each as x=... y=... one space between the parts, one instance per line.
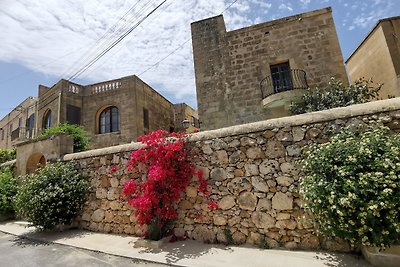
x=165 y=169
x=351 y=185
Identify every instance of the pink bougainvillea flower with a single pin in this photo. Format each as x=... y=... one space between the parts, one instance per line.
x=165 y=163
x=212 y=205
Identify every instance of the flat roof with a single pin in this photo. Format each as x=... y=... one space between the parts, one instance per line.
x=369 y=33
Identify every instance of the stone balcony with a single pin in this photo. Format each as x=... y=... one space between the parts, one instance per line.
x=280 y=89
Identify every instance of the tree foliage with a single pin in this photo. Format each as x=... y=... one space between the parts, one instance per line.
x=7 y=155
x=351 y=185
x=80 y=136
x=8 y=189
x=52 y=196
x=335 y=95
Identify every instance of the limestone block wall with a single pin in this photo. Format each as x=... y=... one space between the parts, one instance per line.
x=253 y=173
x=229 y=65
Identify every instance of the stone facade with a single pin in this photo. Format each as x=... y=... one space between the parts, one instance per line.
x=14 y=127
x=34 y=154
x=184 y=112
x=253 y=173
x=381 y=47
x=229 y=66
x=141 y=110
x=129 y=94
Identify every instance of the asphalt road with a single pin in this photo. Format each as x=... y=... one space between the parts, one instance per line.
x=19 y=252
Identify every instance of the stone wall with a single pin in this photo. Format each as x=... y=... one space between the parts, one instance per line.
x=229 y=65
x=129 y=94
x=252 y=170
x=380 y=47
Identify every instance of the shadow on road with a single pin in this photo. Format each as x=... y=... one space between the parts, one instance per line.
x=25 y=242
x=41 y=238
x=189 y=249
x=342 y=260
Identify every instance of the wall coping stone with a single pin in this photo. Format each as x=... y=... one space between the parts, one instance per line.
x=302 y=119
x=295 y=120
x=8 y=163
x=102 y=151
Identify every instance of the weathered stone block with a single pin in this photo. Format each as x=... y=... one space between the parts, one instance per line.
x=247 y=201
x=281 y=201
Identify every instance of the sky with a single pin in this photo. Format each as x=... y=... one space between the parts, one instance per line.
x=44 y=41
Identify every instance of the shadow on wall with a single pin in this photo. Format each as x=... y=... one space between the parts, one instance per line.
x=35 y=161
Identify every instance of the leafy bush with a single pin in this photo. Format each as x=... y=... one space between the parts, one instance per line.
x=336 y=95
x=8 y=189
x=7 y=155
x=52 y=196
x=166 y=164
x=81 y=138
x=351 y=185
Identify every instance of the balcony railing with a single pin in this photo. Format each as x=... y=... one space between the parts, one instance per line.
x=283 y=81
x=22 y=133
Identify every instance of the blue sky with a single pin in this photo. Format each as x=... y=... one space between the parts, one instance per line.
x=44 y=41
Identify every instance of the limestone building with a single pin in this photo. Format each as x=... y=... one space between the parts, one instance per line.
x=182 y=112
x=19 y=124
x=254 y=73
x=112 y=112
x=378 y=57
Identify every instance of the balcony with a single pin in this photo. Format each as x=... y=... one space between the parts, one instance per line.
x=22 y=134
x=283 y=87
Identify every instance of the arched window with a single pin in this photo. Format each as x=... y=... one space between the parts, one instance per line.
x=30 y=125
x=109 y=120
x=47 y=119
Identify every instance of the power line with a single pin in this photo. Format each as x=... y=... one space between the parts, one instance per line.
x=110 y=40
x=136 y=34
x=110 y=36
x=229 y=6
x=110 y=32
x=83 y=69
x=182 y=44
x=71 y=52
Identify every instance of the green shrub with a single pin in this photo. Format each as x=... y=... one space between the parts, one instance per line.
x=81 y=138
x=351 y=185
x=52 y=196
x=8 y=190
x=7 y=155
x=335 y=95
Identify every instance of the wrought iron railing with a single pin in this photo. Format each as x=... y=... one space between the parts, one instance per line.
x=22 y=133
x=283 y=81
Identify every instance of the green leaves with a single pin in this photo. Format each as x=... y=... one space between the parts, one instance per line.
x=7 y=155
x=351 y=184
x=8 y=189
x=53 y=195
x=335 y=95
x=80 y=136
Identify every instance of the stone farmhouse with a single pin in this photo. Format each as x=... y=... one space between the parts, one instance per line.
x=378 y=57
x=254 y=73
x=113 y=112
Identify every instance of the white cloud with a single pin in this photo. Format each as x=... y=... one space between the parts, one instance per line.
x=287 y=6
x=380 y=10
x=305 y=2
x=261 y=4
x=62 y=33
x=35 y=33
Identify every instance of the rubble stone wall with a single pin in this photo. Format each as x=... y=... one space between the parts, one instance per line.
x=253 y=170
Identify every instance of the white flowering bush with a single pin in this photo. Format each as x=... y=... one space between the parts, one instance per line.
x=52 y=196
x=351 y=185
